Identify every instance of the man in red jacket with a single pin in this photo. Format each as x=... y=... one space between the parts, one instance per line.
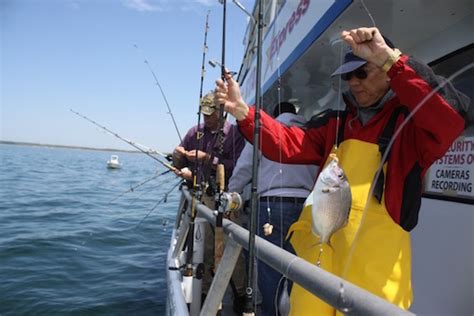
x=385 y=87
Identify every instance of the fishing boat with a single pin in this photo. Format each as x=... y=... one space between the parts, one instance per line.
x=114 y=163
x=301 y=48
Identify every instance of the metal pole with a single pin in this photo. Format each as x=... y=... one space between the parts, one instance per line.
x=249 y=302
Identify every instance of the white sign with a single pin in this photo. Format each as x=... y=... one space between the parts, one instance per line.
x=453 y=174
x=295 y=20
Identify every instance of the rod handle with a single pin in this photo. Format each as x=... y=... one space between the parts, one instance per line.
x=220 y=176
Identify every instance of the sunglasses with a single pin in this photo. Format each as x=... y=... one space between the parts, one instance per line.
x=359 y=73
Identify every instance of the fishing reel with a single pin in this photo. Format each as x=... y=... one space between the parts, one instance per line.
x=230 y=202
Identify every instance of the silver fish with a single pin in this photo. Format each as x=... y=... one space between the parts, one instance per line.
x=332 y=200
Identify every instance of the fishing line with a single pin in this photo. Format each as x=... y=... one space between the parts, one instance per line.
x=368 y=13
x=133 y=188
x=147 y=191
x=248 y=49
x=162 y=92
x=163 y=199
x=341 y=59
x=346 y=266
x=387 y=152
x=280 y=150
x=147 y=151
x=131 y=203
x=339 y=96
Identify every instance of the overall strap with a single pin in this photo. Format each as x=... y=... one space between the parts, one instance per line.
x=342 y=125
x=383 y=142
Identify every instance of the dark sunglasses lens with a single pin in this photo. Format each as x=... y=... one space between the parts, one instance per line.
x=360 y=73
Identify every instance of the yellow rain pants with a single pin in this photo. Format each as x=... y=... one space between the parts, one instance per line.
x=381 y=258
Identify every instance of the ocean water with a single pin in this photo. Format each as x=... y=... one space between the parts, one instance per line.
x=70 y=238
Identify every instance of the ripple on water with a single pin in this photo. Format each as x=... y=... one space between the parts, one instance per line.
x=66 y=249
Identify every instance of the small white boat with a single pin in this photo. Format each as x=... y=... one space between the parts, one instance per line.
x=114 y=162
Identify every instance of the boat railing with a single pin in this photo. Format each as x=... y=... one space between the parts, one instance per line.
x=337 y=292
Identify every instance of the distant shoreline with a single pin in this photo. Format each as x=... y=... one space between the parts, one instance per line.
x=6 y=142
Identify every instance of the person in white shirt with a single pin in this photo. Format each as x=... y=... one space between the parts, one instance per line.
x=282 y=189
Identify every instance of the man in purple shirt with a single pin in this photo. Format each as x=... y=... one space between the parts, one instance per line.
x=184 y=156
x=184 y=159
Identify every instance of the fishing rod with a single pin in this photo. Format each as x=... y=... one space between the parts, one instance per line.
x=249 y=306
x=188 y=273
x=164 y=96
x=220 y=170
x=147 y=152
x=248 y=49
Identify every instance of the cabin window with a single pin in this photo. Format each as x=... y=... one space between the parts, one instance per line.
x=451 y=178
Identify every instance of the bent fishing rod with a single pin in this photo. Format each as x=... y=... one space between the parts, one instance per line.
x=147 y=152
x=196 y=196
x=164 y=96
x=249 y=302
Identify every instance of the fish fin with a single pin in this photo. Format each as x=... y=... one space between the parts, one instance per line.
x=347 y=217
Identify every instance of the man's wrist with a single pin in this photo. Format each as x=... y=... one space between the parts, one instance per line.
x=241 y=111
x=391 y=59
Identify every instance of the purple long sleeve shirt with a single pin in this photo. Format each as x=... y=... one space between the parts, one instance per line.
x=233 y=145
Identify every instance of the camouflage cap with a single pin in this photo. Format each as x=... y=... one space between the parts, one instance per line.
x=207 y=104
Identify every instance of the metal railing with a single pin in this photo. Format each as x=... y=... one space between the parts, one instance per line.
x=342 y=295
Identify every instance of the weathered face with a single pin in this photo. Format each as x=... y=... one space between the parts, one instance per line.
x=369 y=90
x=211 y=121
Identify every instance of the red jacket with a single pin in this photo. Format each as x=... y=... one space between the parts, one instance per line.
x=424 y=139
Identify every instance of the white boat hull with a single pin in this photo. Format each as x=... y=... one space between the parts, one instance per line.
x=113 y=165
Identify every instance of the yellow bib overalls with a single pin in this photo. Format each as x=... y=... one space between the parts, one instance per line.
x=381 y=259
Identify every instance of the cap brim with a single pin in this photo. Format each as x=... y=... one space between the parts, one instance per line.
x=206 y=110
x=348 y=67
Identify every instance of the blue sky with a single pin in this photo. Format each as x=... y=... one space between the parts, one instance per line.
x=80 y=54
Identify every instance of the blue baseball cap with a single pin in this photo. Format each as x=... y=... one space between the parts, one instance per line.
x=352 y=62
